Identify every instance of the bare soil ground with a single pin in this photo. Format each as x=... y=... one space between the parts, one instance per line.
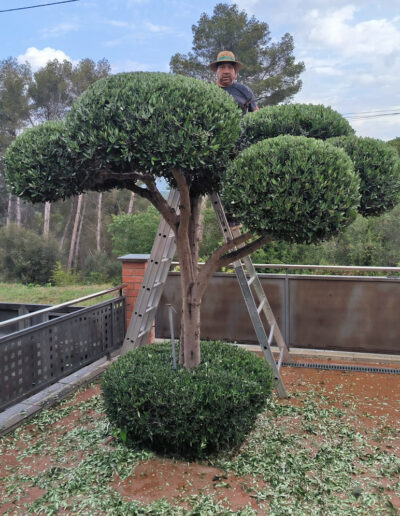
x=333 y=448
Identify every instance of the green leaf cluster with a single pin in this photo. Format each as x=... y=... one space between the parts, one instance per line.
x=188 y=412
x=378 y=166
x=154 y=123
x=295 y=188
x=313 y=121
x=39 y=166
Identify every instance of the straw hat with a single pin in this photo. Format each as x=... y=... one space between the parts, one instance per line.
x=225 y=57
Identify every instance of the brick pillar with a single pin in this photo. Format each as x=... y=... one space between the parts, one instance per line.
x=133 y=267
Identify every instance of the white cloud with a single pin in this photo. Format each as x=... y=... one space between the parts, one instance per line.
x=160 y=29
x=59 y=30
x=336 y=30
x=38 y=58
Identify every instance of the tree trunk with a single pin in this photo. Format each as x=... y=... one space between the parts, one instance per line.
x=130 y=206
x=67 y=225
x=74 y=232
x=98 y=227
x=46 y=224
x=78 y=237
x=18 y=212
x=187 y=247
x=9 y=209
x=189 y=350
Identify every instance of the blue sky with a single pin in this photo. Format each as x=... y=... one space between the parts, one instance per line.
x=351 y=49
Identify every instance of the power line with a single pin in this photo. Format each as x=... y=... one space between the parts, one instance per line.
x=365 y=117
x=39 y=5
x=373 y=113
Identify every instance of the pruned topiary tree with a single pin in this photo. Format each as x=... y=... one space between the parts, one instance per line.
x=128 y=130
x=376 y=163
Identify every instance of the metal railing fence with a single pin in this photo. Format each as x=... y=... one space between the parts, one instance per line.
x=331 y=312
x=38 y=356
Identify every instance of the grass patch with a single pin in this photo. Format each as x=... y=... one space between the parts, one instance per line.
x=47 y=295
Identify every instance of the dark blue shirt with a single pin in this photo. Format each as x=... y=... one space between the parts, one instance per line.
x=242 y=95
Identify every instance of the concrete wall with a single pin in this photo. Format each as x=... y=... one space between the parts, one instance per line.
x=346 y=313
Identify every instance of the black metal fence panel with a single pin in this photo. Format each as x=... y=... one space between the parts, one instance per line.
x=35 y=357
x=343 y=313
x=11 y=310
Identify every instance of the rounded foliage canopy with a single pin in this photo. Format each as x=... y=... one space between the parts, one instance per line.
x=378 y=166
x=188 y=412
x=294 y=188
x=39 y=166
x=154 y=123
x=313 y=121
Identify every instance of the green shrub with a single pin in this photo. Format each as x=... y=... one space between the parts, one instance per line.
x=25 y=256
x=100 y=268
x=191 y=412
x=309 y=189
x=378 y=166
x=61 y=277
x=313 y=121
x=134 y=233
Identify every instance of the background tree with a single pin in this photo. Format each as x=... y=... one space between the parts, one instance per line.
x=269 y=68
x=134 y=233
x=15 y=113
x=156 y=125
x=52 y=91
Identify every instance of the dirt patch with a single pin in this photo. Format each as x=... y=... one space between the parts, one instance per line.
x=175 y=481
x=370 y=400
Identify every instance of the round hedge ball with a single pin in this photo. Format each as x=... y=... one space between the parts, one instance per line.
x=294 y=188
x=188 y=412
x=378 y=165
x=154 y=123
x=40 y=167
x=313 y=121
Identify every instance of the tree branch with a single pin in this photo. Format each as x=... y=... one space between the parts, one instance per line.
x=245 y=250
x=188 y=268
x=213 y=262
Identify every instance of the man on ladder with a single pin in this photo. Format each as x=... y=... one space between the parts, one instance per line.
x=226 y=68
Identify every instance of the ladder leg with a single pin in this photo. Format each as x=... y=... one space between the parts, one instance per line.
x=254 y=311
x=153 y=283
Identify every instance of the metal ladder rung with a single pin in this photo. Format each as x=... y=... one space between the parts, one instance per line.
x=252 y=278
x=280 y=359
x=150 y=308
x=166 y=259
x=271 y=335
x=260 y=306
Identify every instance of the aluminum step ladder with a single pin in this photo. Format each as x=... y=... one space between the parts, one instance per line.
x=256 y=301
x=155 y=277
x=153 y=283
